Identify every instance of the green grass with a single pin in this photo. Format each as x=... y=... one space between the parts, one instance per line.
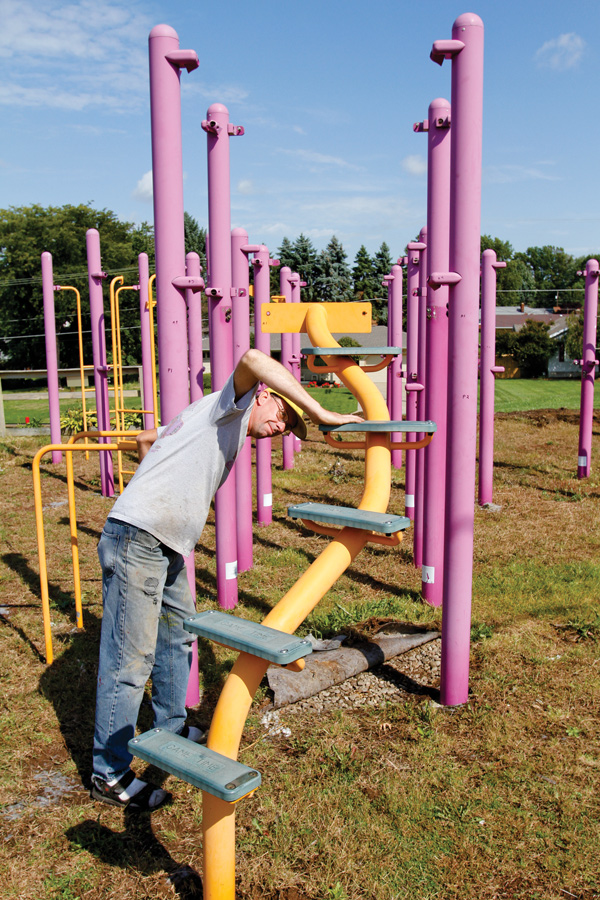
x=521 y=394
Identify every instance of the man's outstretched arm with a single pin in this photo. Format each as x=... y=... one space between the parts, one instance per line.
x=144 y=441
x=256 y=366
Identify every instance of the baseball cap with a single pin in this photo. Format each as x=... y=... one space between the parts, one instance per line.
x=299 y=428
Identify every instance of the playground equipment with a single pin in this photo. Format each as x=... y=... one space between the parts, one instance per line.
x=394 y=381
x=437 y=127
x=487 y=375
x=68 y=449
x=412 y=385
x=213 y=769
x=465 y=49
x=421 y=362
x=588 y=368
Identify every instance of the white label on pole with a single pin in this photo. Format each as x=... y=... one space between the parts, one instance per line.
x=409 y=500
x=582 y=460
x=428 y=576
x=231 y=570
x=267 y=499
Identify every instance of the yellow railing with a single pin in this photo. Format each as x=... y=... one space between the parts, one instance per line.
x=69 y=448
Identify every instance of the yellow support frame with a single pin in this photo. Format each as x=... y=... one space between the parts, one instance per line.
x=68 y=449
x=318 y=321
x=82 y=367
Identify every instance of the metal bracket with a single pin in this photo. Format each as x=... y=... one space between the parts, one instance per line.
x=437 y=279
x=192 y=282
x=184 y=59
x=442 y=50
x=443 y=121
x=235 y=130
x=213 y=293
x=421 y=127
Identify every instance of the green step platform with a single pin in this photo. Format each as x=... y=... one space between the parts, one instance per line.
x=384 y=523
x=385 y=426
x=248 y=637
x=197 y=765
x=351 y=351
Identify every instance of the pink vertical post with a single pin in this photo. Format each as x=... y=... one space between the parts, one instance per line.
x=147 y=387
x=51 y=353
x=95 y=277
x=262 y=341
x=588 y=368
x=218 y=130
x=466 y=51
x=240 y=275
x=296 y=284
x=436 y=364
x=166 y=62
x=412 y=386
x=421 y=359
x=285 y=289
x=487 y=375
x=193 y=299
x=394 y=400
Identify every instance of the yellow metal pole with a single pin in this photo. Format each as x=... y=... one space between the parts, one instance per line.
x=39 y=521
x=151 y=305
x=241 y=685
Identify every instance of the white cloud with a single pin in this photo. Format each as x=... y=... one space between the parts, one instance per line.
x=143 y=189
x=215 y=93
x=415 y=164
x=561 y=53
x=318 y=159
x=509 y=174
x=245 y=186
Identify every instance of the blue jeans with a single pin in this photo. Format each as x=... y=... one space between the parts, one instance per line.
x=146 y=597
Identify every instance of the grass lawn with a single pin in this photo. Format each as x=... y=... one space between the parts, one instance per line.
x=498 y=799
x=511 y=395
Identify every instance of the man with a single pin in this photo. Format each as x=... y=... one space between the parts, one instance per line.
x=155 y=523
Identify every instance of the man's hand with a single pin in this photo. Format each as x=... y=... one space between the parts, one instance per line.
x=144 y=441
x=327 y=417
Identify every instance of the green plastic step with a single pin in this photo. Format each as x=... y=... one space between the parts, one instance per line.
x=197 y=765
x=420 y=427
x=248 y=637
x=385 y=523
x=351 y=351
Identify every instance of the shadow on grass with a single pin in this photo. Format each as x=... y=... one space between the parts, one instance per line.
x=137 y=848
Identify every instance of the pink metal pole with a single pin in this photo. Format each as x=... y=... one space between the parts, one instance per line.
x=436 y=365
x=296 y=284
x=166 y=62
x=51 y=353
x=147 y=388
x=240 y=275
x=412 y=386
x=394 y=400
x=466 y=51
x=588 y=369
x=95 y=277
x=487 y=375
x=287 y=354
x=421 y=357
x=262 y=289
x=218 y=130
x=193 y=299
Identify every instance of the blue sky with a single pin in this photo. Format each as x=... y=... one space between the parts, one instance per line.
x=327 y=93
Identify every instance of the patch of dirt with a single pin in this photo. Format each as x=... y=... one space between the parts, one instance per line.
x=543 y=417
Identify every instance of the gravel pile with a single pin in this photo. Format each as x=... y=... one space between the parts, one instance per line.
x=414 y=672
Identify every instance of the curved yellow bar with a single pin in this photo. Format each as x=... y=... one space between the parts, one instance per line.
x=241 y=685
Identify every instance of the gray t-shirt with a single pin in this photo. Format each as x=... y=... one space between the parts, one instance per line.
x=172 y=489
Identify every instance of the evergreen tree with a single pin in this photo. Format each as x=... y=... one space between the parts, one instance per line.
x=382 y=264
x=334 y=279
x=365 y=283
x=195 y=238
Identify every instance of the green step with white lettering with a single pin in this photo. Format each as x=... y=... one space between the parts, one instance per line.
x=248 y=637
x=197 y=765
x=385 y=523
x=351 y=351
x=384 y=425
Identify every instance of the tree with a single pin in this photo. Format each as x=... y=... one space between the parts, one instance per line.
x=301 y=257
x=382 y=264
x=25 y=232
x=333 y=282
x=512 y=282
x=532 y=349
x=194 y=238
x=574 y=340
x=365 y=282
x=553 y=271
